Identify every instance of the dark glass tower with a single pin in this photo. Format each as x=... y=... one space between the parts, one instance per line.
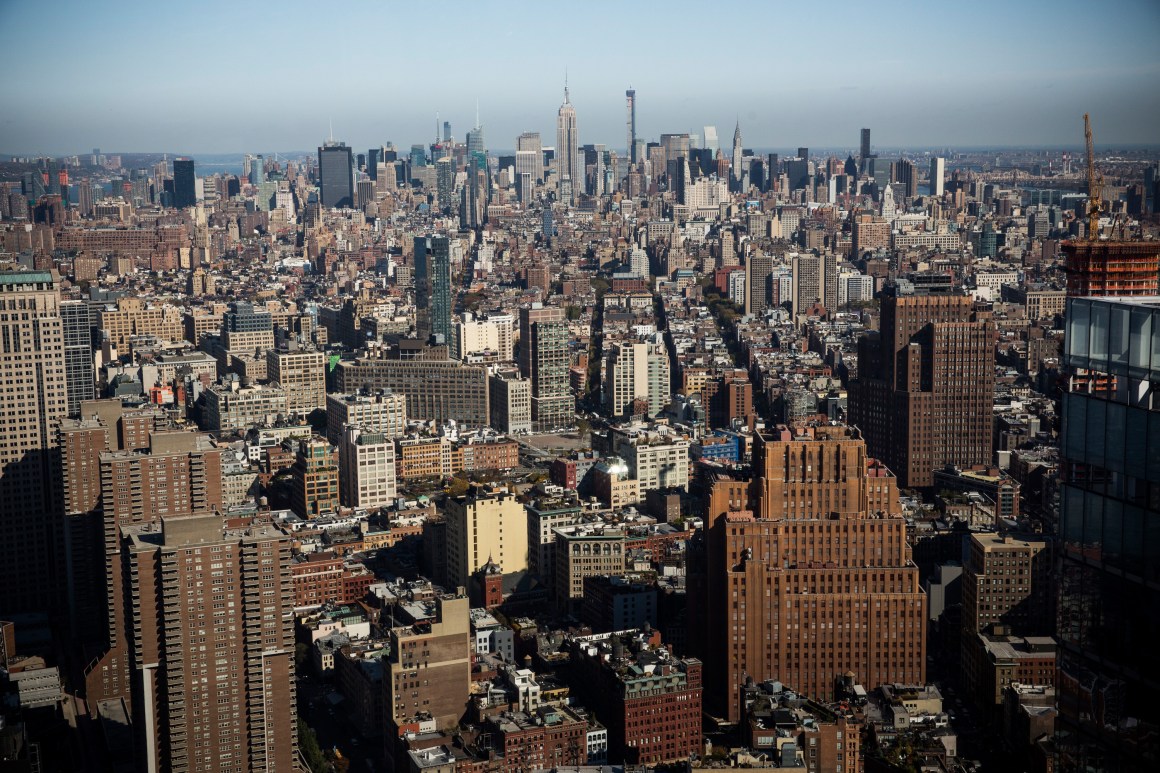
x=78 y=354
x=433 y=287
x=336 y=175
x=1109 y=528
x=184 y=193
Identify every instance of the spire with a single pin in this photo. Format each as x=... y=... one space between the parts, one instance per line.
x=566 y=85
x=476 y=113
x=332 y=128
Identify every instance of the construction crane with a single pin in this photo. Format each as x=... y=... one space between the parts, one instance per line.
x=1095 y=182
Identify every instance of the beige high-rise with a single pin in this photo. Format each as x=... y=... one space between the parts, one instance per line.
x=33 y=393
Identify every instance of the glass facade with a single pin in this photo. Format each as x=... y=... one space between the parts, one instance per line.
x=1109 y=581
x=336 y=175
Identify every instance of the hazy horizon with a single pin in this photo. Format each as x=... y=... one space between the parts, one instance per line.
x=235 y=78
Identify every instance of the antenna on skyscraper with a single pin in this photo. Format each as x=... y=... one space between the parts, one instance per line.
x=332 y=128
x=477 y=113
x=565 y=84
x=436 y=127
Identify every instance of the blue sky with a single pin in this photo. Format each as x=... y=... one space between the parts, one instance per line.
x=220 y=77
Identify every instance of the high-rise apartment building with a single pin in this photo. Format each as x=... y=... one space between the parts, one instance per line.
x=544 y=360
x=1109 y=532
x=938 y=176
x=35 y=396
x=925 y=387
x=511 y=402
x=314 y=478
x=208 y=616
x=569 y=174
x=1005 y=592
x=495 y=334
x=433 y=287
x=335 y=175
x=169 y=473
x=808 y=574
x=485 y=525
x=758 y=272
x=366 y=465
x=635 y=371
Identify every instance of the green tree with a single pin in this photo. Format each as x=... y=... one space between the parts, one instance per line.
x=308 y=744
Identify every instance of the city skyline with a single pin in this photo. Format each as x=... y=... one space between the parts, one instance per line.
x=996 y=91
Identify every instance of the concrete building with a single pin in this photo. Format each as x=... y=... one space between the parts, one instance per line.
x=36 y=396
x=544 y=360
x=302 y=376
x=314 y=478
x=383 y=412
x=483 y=525
x=658 y=460
x=636 y=371
x=435 y=390
x=439 y=650
x=495 y=334
x=511 y=402
x=366 y=465
x=584 y=550
x=545 y=514
x=230 y=407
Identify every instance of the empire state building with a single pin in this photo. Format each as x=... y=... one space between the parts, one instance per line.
x=567 y=147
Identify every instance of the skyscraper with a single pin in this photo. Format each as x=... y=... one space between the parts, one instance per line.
x=36 y=398
x=212 y=655
x=736 y=171
x=530 y=156
x=864 y=153
x=335 y=175
x=78 y=353
x=938 y=173
x=544 y=361
x=758 y=270
x=630 y=120
x=433 y=287
x=475 y=144
x=143 y=475
x=710 y=142
x=568 y=173
x=925 y=388
x=184 y=190
x=1109 y=530
x=445 y=182
x=807 y=573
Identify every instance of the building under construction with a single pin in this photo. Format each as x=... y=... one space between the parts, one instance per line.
x=1116 y=268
